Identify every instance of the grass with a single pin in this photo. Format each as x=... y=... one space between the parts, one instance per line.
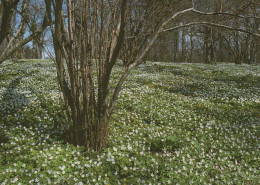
x=173 y=124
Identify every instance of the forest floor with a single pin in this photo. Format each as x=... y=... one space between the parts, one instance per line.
x=173 y=124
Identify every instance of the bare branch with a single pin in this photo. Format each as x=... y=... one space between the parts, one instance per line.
x=224 y=13
x=212 y=24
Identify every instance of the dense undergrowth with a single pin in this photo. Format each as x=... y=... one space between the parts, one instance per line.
x=173 y=124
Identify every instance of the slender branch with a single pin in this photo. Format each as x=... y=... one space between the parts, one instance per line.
x=224 y=13
x=212 y=24
x=115 y=49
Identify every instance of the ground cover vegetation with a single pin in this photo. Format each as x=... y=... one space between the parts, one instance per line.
x=173 y=123
x=86 y=38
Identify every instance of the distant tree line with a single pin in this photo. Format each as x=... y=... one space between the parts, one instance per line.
x=211 y=44
x=26 y=52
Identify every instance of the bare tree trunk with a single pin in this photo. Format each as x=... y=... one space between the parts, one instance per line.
x=206 y=45
x=191 y=47
x=183 y=47
x=221 y=53
x=8 y=7
x=176 y=46
x=254 y=44
x=212 y=48
x=238 y=50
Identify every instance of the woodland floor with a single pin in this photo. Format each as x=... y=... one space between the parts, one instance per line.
x=174 y=123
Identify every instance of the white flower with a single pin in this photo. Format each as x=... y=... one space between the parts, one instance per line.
x=115 y=149
x=62 y=167
x=14 y=180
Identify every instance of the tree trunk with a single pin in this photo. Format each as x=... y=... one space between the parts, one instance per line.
x=183 y=47
x=212 y=48
x=221 y=53
x=191 y=47
x=8 y=7
x=206 y=45
x=237 y=57
x=176 y=46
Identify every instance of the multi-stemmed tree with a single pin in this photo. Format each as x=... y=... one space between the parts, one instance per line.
x=89 y=37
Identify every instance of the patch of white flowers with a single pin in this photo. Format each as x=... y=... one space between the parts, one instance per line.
x=173 y=124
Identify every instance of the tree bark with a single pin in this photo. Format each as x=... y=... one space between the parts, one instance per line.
x=176 y=46
x=183 y=46
x=8 y=7
x=191 y=47
x=206 y=45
